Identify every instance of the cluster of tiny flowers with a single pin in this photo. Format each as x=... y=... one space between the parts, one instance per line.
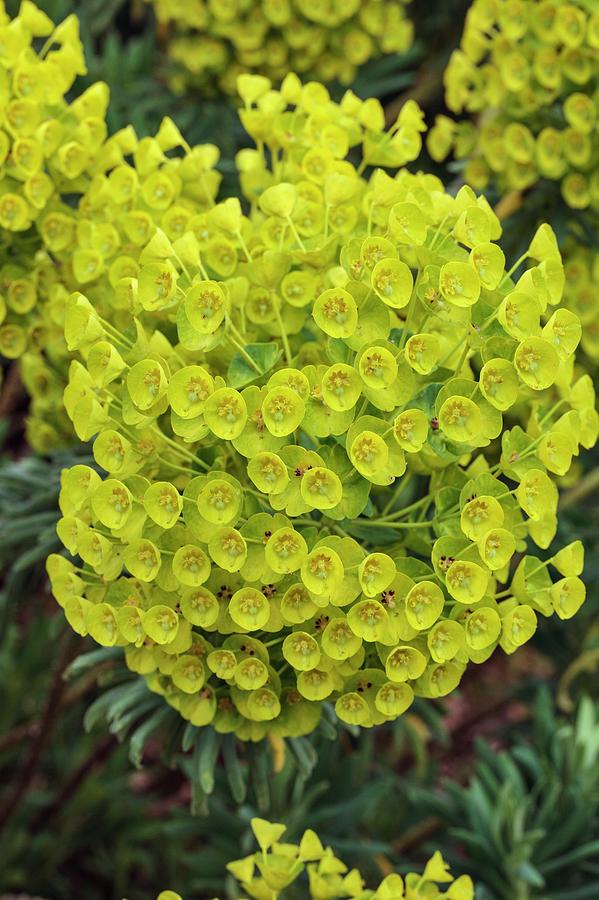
x=72 y=212
x=48 y=148
x=214 y=41
x=328 y=427
x=276 y=866
x=266 y=874
x=150 y=184
x=530 y=68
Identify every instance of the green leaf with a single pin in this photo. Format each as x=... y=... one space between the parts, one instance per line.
x=305 y=755
x=209 y=747
x=425 y=399
x=264 y=356
x=233 y=769
x=370 y=532
x=445 y=499
x=530 y=875
x=140 y=736
x=103 y=704
x=189 y=737
x=261 y=773
x=575 y=856
x=87 y=661
x=338 y=351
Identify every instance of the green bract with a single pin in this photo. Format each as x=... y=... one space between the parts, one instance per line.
x=277 y=865
x=329 y=426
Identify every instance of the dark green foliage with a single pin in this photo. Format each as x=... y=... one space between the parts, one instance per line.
x=528 y=820
x=365 y=795
x=28 y=514
x=216 y=764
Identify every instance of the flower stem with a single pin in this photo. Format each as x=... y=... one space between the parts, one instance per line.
x=588 y=485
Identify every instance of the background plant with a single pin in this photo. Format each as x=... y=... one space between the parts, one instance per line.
x=212 y=44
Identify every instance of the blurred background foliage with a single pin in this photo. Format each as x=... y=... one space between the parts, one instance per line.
x=98 y=776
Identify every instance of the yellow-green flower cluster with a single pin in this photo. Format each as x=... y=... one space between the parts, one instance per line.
x=328 y=428
x=43 y=364
x=276 y=866
x=49 y=148
x=97 y=245
x=530 y=70
x=49 y=151
x=76 y=205
x=214 y=41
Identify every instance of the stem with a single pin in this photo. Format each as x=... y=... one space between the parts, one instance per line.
x=262 y=500
x=508 y=204
x=508 y=591
x=22 y=781
x=243 y=245
x=274 y=642
x=452 y=351
x=461 y=362
x=588 y=485
x=243 y=352
x=295 y=234
x=362 y=166
x=370 y=209
x=172 y=465
x=370 y=524
x=44 y=50
x=12 y=391
x=231 y=324
x=186 y=454
x=532 y=448
x=183 y=266
x=363 y=408
x=551 y=412
x=408 y=319
x=203 y=269
x=208 y=194
x=116 y=335
x=518 y=262
x=438 y=231
x=507 y=275
x=12 y=738
x=401 y=512
x=283 y=334
x=401 y=484
x=417 y=835
x=96 y=758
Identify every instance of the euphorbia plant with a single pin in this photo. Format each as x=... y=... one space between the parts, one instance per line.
x=62 y=178
x=50 y=147
x=279 y=868
x=211 y=44
x=332 y=429
x=530 y=69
